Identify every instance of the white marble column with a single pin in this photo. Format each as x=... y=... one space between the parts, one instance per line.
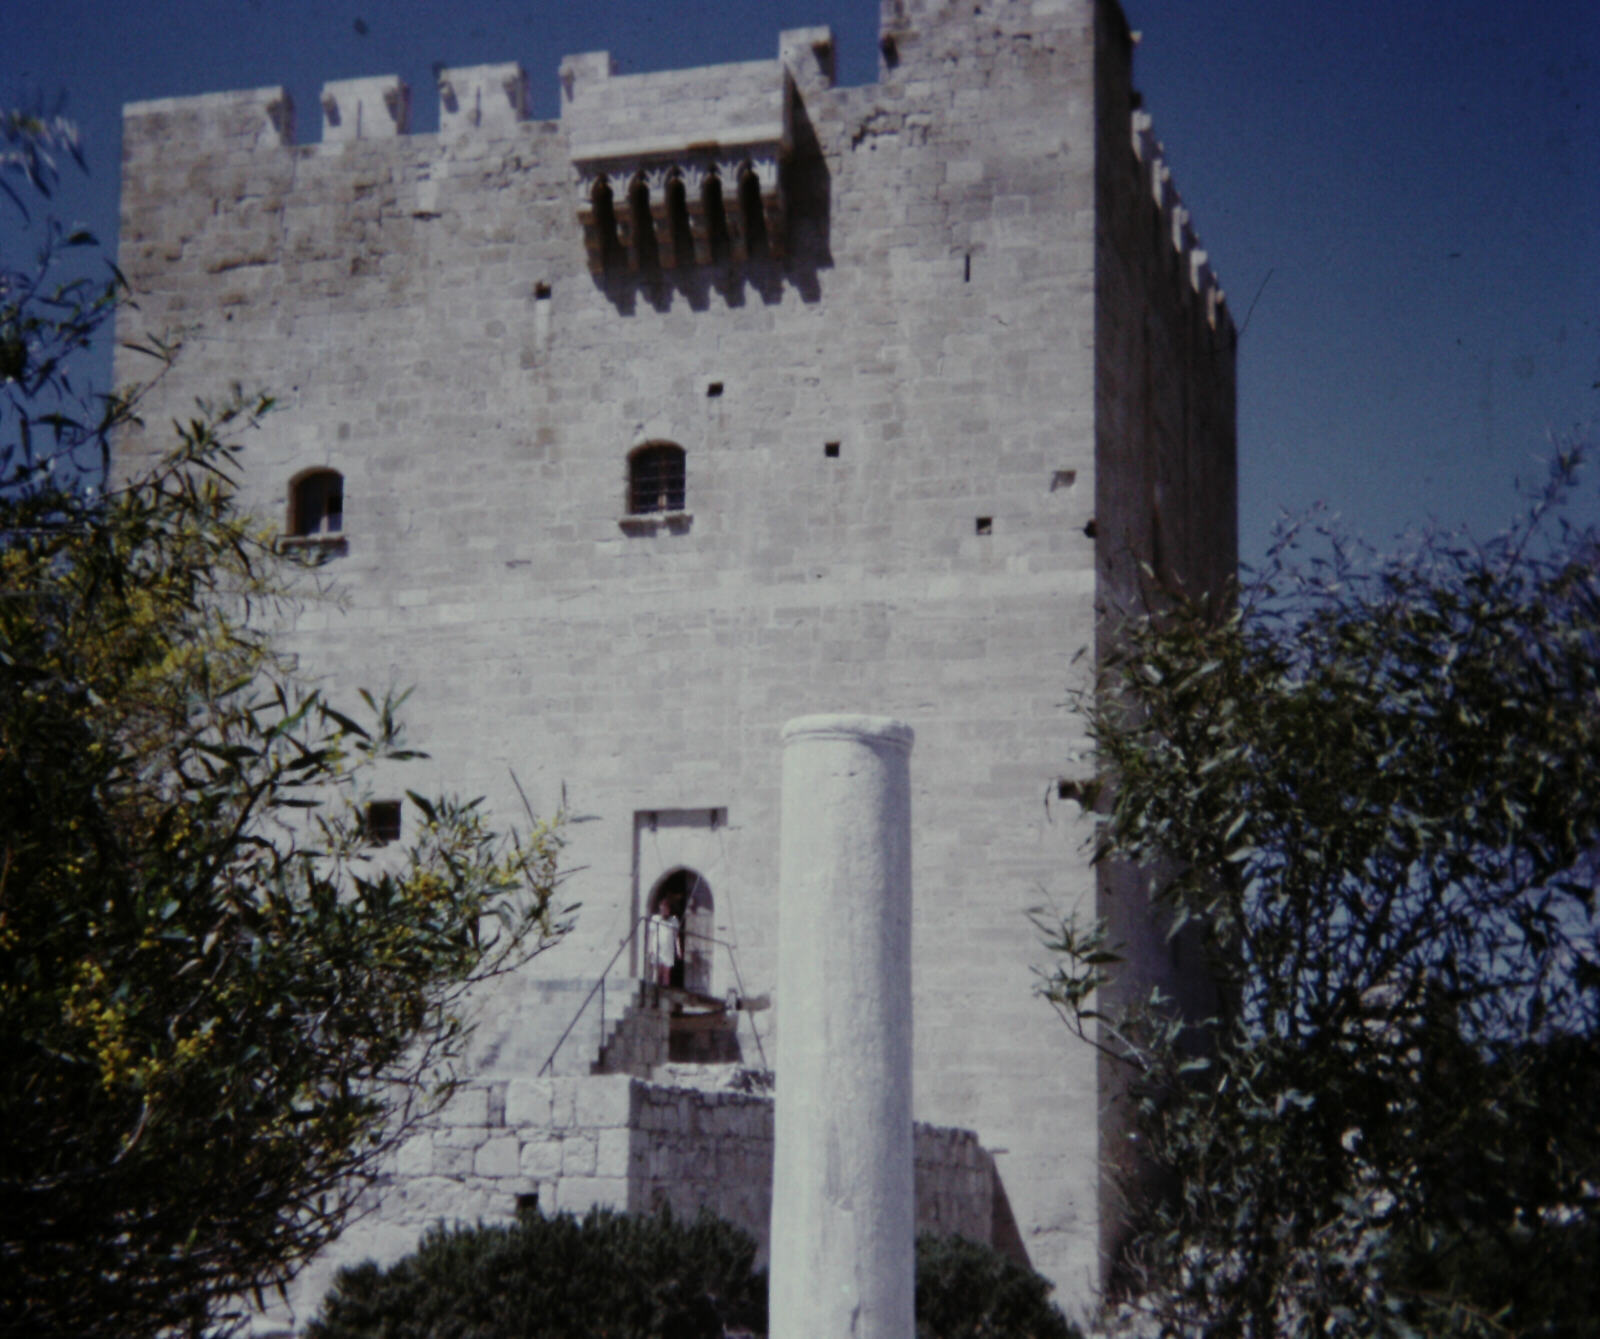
x=843 y=1201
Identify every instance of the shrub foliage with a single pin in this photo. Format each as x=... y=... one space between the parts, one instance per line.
x=644 y=1278
x=627 y=1277
x=969 y=1291
x=1372 y=795
x=218 y=1007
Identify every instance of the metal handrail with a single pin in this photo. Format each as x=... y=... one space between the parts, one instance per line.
x=593 y=990
x=599 y=988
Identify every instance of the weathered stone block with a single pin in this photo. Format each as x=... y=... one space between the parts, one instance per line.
x=415 y=1156
x=469 y=1106
x=529 y=1102
x=461 y=1136
x=579 y=1194
x=612 y=1152
x=606 y=1100
x=498 y=1157
x=563 y=1102
x=453 y=1161
x=541 y=1157
x=578 y=1153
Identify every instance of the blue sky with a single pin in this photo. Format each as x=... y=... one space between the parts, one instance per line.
x=1408 y=192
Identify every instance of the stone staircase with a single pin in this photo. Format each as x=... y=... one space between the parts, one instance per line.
x=662 y=1024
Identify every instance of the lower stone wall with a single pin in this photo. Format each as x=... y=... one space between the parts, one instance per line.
x=569 y=1144
x=524 y=1025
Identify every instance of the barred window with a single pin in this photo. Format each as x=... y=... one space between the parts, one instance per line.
x=656 y=479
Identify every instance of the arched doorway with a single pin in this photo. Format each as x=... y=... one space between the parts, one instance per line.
x=682 y=925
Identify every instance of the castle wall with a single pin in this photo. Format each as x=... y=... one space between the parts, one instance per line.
x=425 y=309
x=1166 y=499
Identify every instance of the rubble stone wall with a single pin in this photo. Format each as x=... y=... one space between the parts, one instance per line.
x=571 y=1144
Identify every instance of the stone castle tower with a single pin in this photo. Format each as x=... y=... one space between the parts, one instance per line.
x=727 y=397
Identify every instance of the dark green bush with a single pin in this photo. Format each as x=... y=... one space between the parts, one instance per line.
x=968 y=1291
x=620 y=1276
x=642 y=1277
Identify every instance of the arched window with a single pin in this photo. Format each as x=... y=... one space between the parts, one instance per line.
x=655 y=479
x=605 y=222
x=316 y=505
x=644 y=224
x=678 y=226
x=752 y=214
x=711 y=203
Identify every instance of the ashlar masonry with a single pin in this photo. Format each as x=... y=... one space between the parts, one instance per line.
x=727 y=397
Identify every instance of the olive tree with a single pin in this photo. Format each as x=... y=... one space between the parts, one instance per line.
x=1370 y=791
x=220 y=1005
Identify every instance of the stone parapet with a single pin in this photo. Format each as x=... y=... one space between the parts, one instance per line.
x=731 y=112
x=1177 y=226
x=240 y=120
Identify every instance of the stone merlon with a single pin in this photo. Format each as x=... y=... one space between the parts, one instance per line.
x=1178 y=228
x=717 y=105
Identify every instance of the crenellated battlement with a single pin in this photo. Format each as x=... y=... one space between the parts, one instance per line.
x=722 y=107
x=673 y=167
x=482 y=99
x=241 y=119
x=1177 y=227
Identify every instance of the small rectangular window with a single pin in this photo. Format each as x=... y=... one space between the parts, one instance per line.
x=382 y=822
x=831 y=450
x=985 y=525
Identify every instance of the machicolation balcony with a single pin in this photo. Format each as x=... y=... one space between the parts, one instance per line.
x=704 y=186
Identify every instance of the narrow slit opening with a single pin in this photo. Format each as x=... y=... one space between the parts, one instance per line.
x=716 y=218
x=644 y=226
x=605 y=222
x=678 y=222
x=752 y=214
